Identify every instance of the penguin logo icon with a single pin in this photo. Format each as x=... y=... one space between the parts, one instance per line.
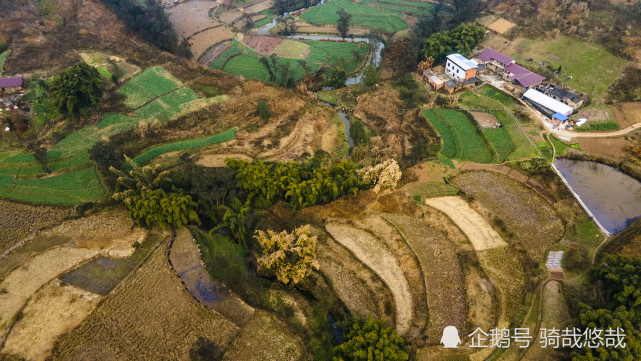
x=450 y=337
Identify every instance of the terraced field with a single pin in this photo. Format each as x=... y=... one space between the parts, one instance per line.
x=70 y=177
x=460 y=137
x=376 y=14
x=369 y=251
x=302 y=57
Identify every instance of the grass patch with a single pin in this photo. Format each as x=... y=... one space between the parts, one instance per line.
x=592 y=67
x=104 y=72
x=561 y=147
x=546 y=150
x=584 y=231
x=346 y=54
x=501 y=142
x=599 y=126
x=3 y=57
x=461 y=138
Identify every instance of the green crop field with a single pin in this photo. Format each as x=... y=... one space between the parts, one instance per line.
x=592 y=67
x=69 y=188
x=522 y=146
x=186 y=144
x=85 y=138
x=147 y=85
x=377 y=14
x=460 y=136
x=342 y=53
x=500 y=141
x=168 y=106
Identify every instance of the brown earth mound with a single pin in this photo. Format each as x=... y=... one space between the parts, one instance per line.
x=262 y=44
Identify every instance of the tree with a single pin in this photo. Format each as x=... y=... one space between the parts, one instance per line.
x=162 y=208
x=235 y=218
x=383 y=176
x=371 y=340
x=263 y=109
x=290 y=257
x=76 y=87
x=438 y=45
x=369 y=76
x=106 y=155
x=343 y=22
x=139 y=179
x=358 y=132
x=621 y=279
x=337 y=77
x=466 y=36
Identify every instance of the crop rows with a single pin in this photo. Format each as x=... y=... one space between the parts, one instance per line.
x=87 y=137
x=461 y=138
x=28 y=157
x=500 y=141
x=342 y=53
x=363 y=14
x=145 y=86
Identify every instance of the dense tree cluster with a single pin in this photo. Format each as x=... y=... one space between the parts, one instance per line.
x=148 y=202
x=290 y=257
x=283 y=6
x=302 y=185
x=461 y=39
x=371 y=340
x=620 y=281
x=76 y=87
x=150 y=23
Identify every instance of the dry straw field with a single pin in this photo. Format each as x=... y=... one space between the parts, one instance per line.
x=369 y=251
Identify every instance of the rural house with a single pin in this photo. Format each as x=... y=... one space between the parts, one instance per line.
x=546 y=104
x=460 y=68
x=562 y=95
x=494 y=60
x=10 y=85
x=522 y=78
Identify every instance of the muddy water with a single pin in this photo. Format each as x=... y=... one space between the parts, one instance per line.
x=613 y=197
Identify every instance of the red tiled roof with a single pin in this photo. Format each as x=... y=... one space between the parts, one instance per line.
x=489 y=54
x=524 y=76
x=10 y=82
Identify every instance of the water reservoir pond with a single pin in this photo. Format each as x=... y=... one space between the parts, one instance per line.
x=613 y=197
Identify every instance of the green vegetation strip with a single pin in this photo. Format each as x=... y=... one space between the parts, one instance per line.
x=342 y=53
x=501 y=142
x=145 y=86
x=3 y=57
x=387 y=15
x=187 y=144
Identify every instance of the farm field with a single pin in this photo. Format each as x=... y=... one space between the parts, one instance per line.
x=501 y=142
x=128 y=313
x=460 y=137
x=554 y=314
x=187 y=144
x=190 y=17
x=441 y=273
x=380 y=261
x=202 y=41
x=376 y=14
x=147 y=85
x=478 y=231
x=524 y=212
x=73 y=179
x=592 y=67
x=302 y=56
x=495 y=102
x=17 y=221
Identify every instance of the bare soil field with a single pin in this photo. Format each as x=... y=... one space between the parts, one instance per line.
x=370 y=251
x=185 y=259
x=427 y=171
x=478 y=231
x=392 y=240
x=627 y=114
x=24 y=281
x=191 y=17
x=125 y=325
x=496 y=42
x=228 y=17
x=481 y=308
x=354 y=283
x=501 y=26
x=441 y=273
x=265 y=338
x=523 y=211
x=52 y=311
x=262 y=44
x=257 y=7
x=505 y=270
x=18 y=221
x=612 y=147
x=218 y=160
x=112 y=232
x=203 y=40
x=485 y=120
x=208 y=57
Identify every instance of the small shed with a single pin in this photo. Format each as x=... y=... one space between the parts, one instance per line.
x=10 y=84
x=561 y=117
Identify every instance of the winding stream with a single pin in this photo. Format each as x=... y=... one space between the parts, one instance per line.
x=614 y=198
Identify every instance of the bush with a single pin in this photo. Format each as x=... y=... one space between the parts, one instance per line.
x=372 y=340
x=76 y=87
x=158 y=207
x=263 y=110
x=3 y=47
x=358 y=133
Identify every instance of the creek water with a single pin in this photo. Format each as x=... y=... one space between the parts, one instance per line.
x=345 y=119
x=614 y=198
